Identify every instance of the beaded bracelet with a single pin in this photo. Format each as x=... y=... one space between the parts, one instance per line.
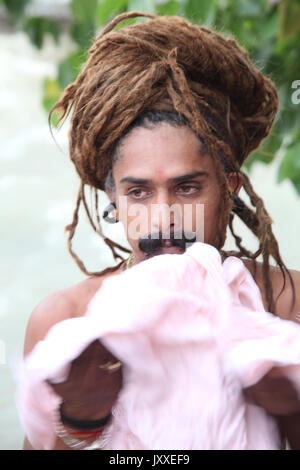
x=100 y=442
x=83 y=424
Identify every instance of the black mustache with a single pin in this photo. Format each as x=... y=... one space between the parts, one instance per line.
x=152 y=242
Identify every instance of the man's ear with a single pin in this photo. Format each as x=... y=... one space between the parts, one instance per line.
x=235 y=182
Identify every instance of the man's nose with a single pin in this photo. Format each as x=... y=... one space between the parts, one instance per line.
x=162 y=214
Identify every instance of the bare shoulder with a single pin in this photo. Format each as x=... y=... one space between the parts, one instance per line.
x=285 y=298
x=58 y=306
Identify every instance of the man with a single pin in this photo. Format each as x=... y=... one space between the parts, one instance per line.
x=164 y=115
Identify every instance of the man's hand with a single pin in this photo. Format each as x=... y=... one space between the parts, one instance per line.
x=275 y=393
x=90 y=392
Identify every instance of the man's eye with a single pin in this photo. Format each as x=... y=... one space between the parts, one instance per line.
x=188 y=189
x=138 y=193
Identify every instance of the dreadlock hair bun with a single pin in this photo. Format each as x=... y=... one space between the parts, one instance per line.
x=165 y=63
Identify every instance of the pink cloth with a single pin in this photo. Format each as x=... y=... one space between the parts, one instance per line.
x=191 y=333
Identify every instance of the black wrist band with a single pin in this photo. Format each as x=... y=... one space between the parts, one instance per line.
x=82 y=423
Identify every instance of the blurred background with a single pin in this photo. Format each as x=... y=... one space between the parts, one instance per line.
x=43 y=44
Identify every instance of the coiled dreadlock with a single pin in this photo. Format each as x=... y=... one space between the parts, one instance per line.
x=171 y=65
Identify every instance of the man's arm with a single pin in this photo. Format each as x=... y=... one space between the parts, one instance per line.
x=52 y=309
x=89 y=392
x=291 y=423
x=275 y=393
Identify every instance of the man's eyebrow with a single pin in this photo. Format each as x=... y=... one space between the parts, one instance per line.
x=188 y=176
x=177 y=179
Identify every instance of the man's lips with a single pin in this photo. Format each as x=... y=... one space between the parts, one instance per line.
x=167 y=243
x=169 y=248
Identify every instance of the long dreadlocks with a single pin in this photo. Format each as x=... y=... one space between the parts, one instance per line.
x=170 y=65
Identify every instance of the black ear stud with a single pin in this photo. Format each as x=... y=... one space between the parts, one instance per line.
x=107 y=210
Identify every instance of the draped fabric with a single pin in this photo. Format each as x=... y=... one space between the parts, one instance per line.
x=191 y=333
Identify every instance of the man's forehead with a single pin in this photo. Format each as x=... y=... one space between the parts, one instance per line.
x=162 y=159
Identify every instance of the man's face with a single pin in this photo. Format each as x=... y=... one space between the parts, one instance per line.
x=166 y=184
